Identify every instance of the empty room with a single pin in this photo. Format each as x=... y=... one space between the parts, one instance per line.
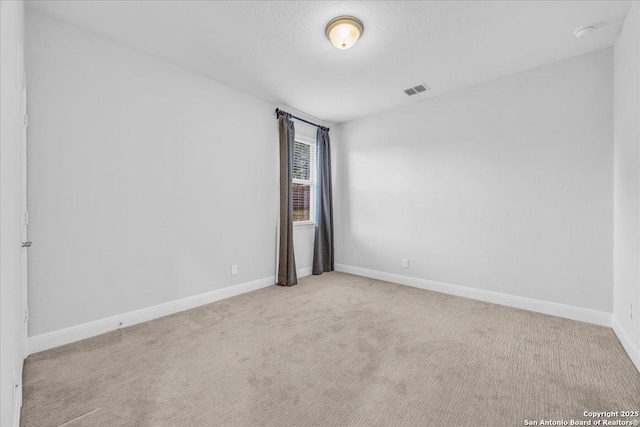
x=319 y=213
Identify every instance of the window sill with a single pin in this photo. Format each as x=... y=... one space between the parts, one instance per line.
x=304 y=224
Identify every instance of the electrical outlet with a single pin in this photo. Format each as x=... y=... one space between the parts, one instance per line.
x=405 y=263
x=234 y=269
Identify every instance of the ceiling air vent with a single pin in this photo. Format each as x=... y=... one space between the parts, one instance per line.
x=416 y=89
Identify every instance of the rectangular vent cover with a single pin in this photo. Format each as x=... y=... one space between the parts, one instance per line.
x=416 y=89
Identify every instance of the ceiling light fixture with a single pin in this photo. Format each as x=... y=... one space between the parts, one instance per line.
x=583 y=31
x=344 y=31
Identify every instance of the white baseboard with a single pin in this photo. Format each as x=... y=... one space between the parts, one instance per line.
x=630 y=347
x=554 y=309
x=17 y=404
x=53 y=339
x=64 y=336
x=90 y=329
x=16 y=411
x=303 y=272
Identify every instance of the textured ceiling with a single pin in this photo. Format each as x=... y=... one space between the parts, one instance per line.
x=278 y=50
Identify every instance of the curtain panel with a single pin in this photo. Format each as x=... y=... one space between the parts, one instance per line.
x=323 y=244
x=286 y=259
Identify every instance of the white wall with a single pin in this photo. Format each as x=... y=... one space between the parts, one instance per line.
x=11 y=38
x=626 y=183
x=147 y=181
x=504 y=186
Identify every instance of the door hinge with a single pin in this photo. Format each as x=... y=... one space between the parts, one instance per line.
x=26 y=315
x=25 y=122
x=25 y=220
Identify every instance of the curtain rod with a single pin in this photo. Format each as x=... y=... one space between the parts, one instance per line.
x=279 y=111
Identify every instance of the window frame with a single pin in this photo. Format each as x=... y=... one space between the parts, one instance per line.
x=312 y=182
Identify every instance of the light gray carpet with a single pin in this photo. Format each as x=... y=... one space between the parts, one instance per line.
x=336 y=350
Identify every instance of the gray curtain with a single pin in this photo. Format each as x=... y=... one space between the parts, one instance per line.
x=286 y=260
x=323 y=245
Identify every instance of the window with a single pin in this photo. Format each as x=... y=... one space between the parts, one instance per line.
x=304 y=180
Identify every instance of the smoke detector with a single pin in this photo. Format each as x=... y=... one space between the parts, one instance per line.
x=417 y=89
x=583 y=31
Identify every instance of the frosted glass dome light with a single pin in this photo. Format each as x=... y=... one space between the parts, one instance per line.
x=344 y=31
